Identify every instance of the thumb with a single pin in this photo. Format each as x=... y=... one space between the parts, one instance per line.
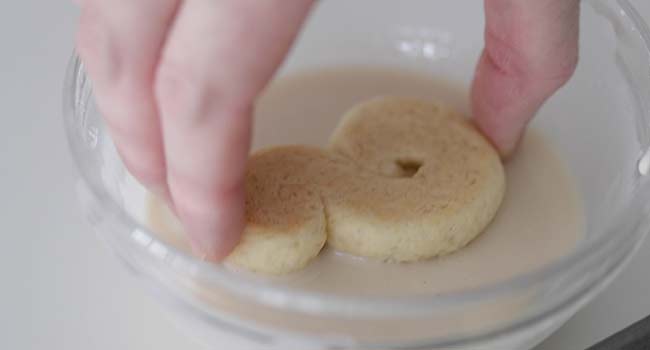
x=531 y=50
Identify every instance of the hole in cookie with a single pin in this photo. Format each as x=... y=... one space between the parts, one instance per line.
x=408 y=167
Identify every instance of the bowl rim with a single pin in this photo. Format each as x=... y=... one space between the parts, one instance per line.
x=282 y=297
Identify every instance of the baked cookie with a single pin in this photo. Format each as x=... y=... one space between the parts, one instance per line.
x=402 y=180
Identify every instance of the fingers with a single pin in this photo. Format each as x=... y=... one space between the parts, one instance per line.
x=217 y=58
x=531 y=50
x=120 y=43
x=205 y=74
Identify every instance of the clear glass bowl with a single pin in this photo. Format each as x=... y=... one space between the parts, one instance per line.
x=599 y=122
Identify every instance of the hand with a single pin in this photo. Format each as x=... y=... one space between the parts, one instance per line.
x=176 y=80
x=531 y=50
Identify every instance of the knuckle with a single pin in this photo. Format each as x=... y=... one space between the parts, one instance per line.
x=513 y=56
x=504 y=53
x=546 y=72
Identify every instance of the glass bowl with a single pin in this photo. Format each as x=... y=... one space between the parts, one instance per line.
x=598 y=123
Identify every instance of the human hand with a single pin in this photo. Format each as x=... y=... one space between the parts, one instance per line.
x=531 y=50
x=176 y=80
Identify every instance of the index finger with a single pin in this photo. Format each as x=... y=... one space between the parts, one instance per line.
x=218 y=57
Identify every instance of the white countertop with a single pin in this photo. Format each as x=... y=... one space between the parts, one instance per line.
x=61 y=287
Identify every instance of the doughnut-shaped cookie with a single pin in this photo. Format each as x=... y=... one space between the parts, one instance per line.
x=285 y=218
x=402 y=180
x=431 y=182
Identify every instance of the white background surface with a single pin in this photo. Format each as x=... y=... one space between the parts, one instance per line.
x=60 y=288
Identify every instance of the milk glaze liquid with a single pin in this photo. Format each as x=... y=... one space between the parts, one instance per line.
x=540 y=220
